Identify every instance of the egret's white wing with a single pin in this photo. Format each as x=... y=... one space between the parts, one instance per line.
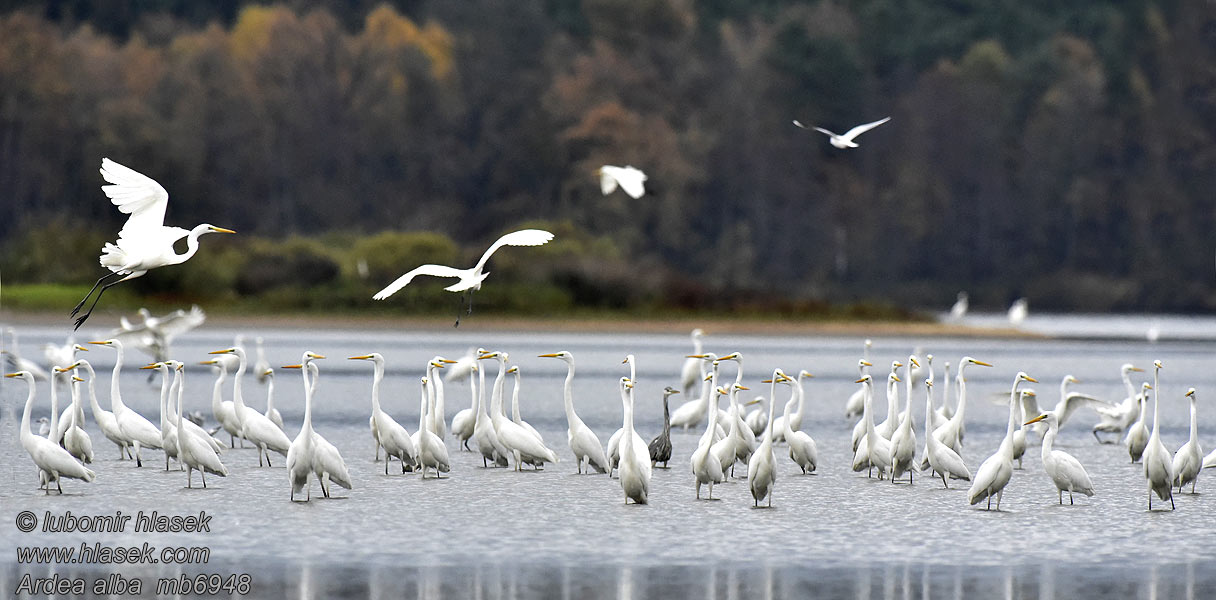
x=523 y=237
x=860 y=129
x=799 y=124
x=607 y=181
x=822 y=130
x=181 y=321
x=1079 y=399
x=434 y=270
x=134 y=194
x=1030 y=407
x=632 y=180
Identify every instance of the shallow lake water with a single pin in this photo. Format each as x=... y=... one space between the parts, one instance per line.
x=497 y=533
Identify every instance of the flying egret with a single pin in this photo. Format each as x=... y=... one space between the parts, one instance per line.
x=1065 y=470
x=583 y=441
x=386 y=431
x=194 y=448
x=47 y=455
x=469 y=279
x=144 y=243
x=762 y=467
x=846 y=140
x=254 y=426
x=1136 y=439
x=156 y=334
x=1188 y=460
x=660 y=446
x=996 y=470
x=1117 y=419
x=943 y=461
x=133 y=428
x=631 y=179
x=1158 y=469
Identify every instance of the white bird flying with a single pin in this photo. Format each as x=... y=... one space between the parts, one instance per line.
x=469 y=279
x=846 y=140
x=144 y=243
x=631 y=179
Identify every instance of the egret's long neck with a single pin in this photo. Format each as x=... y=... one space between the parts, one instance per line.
x=1127 y=384
x=175 y=389
x=423 y=402
x=1063 y=389
x=1013 y=399
x=907 y=412
x=946 y=386
x=238 y=399
x=868 y=409
x=496 y=398
x=481 y=395
x=1049 y=438
x=1156 y=403
x=962 y=397
x=712 y=406
x=473 y=396
x=732 y=397
x=93 y=393
x=217 y=392
x=306 y=426
x=116 y=404
x=767 y=443
x=191 y=245
x=54 y=410
x=377 y=377
x=165 y=390
x=515 y=399
x=1194 y=423
x=800 y=394
x=627 y=419
x=568 y=391
x=892 y=400
x=436 y=411
x=666 y=416
x=430 y=395
x=929 y=438
x=788 y=430
x=25 y=415
x=77 y=406
x=270 y=395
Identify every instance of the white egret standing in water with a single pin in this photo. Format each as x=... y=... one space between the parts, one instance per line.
x=1158 y=468
x=762 y=467
x=47 y=455
x=1188 y=461
x=996 y=470
x=583 y=442
x=1065 y=470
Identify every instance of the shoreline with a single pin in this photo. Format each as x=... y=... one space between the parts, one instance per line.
x=590 y=324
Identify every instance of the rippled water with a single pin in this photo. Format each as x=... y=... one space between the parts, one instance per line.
x=497 y=533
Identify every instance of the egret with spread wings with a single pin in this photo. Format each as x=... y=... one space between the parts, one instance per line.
x=469 y=279
x=144 y=243
x=846 y=140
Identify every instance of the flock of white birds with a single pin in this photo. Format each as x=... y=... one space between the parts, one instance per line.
x=736 y=443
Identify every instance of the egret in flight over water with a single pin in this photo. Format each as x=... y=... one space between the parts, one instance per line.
x=845 y=140
x=144 y=243
x=469 y=279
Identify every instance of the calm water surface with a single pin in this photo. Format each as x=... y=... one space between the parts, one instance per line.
x=500 y=534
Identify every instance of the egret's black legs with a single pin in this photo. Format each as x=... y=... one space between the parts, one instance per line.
x=80 y=320
x=86 y=296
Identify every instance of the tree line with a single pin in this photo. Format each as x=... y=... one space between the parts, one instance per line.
x=1061 y=151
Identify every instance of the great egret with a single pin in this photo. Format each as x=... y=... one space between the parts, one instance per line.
x=693 y=371
x=1188 y=460
x=959 y=310
x=873 y=450
x=660 y=446
x=943 y=461
x=1018 y=311
x=1137 y=435
x=193 y=450
x=327 y=464
x=488 y=444
x=65 y=417
x=692 y=411
x=1158 y=469
x=762 y=467
x=846 y=140
x=755 y=418
x=706 y=468
x=794 y=419
x=223 y=410
x=155 y=335
x=436 y=416
x=951 y=434
x=469 y=279
x=1065 y=470
x=75 y=440
x=432 y=453
x=803 y=450
x=462 y=368
x=583 y=442
x=47 y=455
x=903 y=439
x=300 y=453
x=631 y=179
x=994 y=473
x=387 y=433
x=171 y=366
x=861 y=447
x=1209 y=461
x=144 y=243
x=133 y=428
x=727 y=450
x=254 y=426
x=635 y=460
x=57 y=355
x=887 y=427
x=1117 y=419
x=525 y=447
